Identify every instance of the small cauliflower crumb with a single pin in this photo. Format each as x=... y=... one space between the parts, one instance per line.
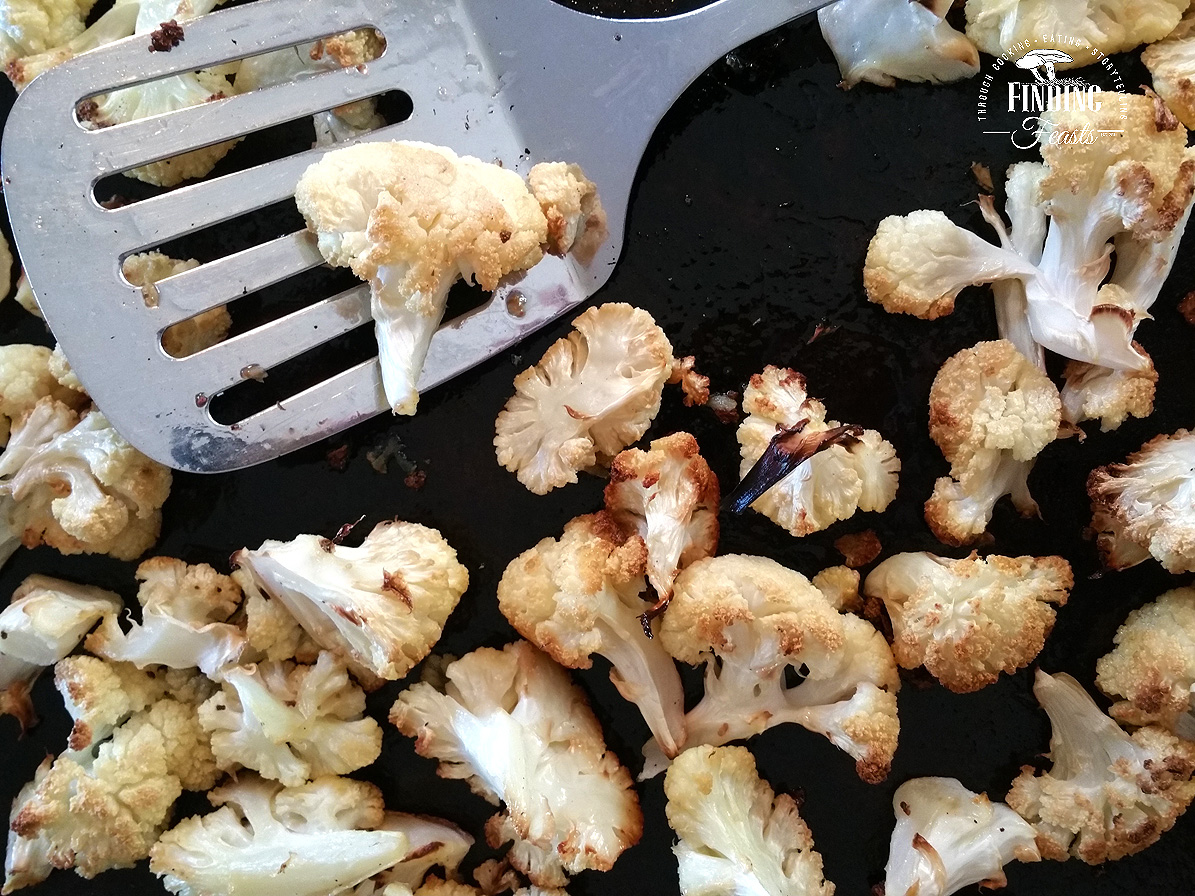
x=859 y=548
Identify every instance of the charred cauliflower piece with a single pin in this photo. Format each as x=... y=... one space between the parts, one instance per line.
x=592 y=393
x=991 y=412
x=1107 y=795
x=969 y=620
x=268 y=840
x=513 y=725
x=670 y=496
x=829 y=486
x=581 y=595
x=1152 y=668
x=1146 y=506
x=184 y=613
x=884 y=40
x=750 y=620
x=380 y=607
x=737 y=835
x=291 y=723
x=411 y=219
x=947 y=838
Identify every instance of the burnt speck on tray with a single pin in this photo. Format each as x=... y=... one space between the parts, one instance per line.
x=338 y=458
x=168 y=36
x=415 y=480
x=1187 y=307
x=87 y=110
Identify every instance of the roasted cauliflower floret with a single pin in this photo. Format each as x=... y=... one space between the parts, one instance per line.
x=25 y=378
x=669 y=495
x=1110 y=396
x=45 y=620
x=268 y=840
x=27 y=859
x=829 y=486
x=184 y=609
x=411 y=219
x=1171 y=62
x=947 y=838
x=1110 y=26
x=1147 y=505
x=513 y=725
x=1152 y=668
x=750 y=620
x=570 y=203
x=969 y=620
x=272 y=632
x=736 y=834
x=991 y=412
x=291 y=723
x=189 y=336
x=380 y=607
x=581 y=595
x=883 y=40
x=1107 y=795
x=28 y=27
x=592 y=393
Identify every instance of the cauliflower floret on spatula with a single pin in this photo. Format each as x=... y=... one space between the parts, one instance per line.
x=827 y=471
x=592 y=393
x=1107 y=795
x=757 y=627
x=737 y=836
x=580 y=595
x=380 y=606
x=513 y=725
x=947 y=838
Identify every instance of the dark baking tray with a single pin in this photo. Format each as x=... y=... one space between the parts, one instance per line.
x=748 y=226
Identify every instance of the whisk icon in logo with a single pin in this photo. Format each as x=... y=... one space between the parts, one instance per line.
x=1013 y=99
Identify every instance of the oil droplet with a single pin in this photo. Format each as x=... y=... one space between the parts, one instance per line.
x=516 y=303
x=150 y=295
x=200 y=400
x=253 y=372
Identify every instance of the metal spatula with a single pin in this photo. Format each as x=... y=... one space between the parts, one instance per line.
x=521 y=81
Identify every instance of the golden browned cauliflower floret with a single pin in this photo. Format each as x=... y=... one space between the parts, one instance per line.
x=513 y=725
x=592 y=393
x=669 y=495
x=380 y=606
x=859 y=474
x=1107 y=795
x=291 y=723
x=27 y=859
x=580 y=595
x=1146 y=506
x=411 y=219
x=1091 y=392
x=1110 y=26
x=1171 y=62
x=189 y=336
x=184 y=613
x=859 y=548
x=25 y=378
x=1152 y=668
x=570 y=203
x=736 y=834
x=750 y=621
x=991 y=412
x=969 y=620
x=272 y=632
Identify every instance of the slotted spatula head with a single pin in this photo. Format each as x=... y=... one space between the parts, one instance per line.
x=515 y=81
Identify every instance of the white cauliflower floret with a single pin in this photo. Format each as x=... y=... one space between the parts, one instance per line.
x=45 y=620
x=592 y=393
x=883 y=40
x=1130 y=193
x=861 y=474
x=25 y=378
x=969 y=620
x=1110 y=26
x=581 y=595
x=291 y=723
x=570 y=203
x=431 y=842
x=1107 y=795
x=411 y=219
x=27 y=859
x=184 y=609
x=186 y=337
x=1171 y=62
x=1147 y=505
x=669 y=495
x=750 y=620
x=991 y=412
x=1152 y=668
x=272 y=632
x=947 y=838
x=519 y=731
x=267 y=840
x=1110 y=396
x=73 y=483
x=28 y=27
x=381 y=606
x=737 y=836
